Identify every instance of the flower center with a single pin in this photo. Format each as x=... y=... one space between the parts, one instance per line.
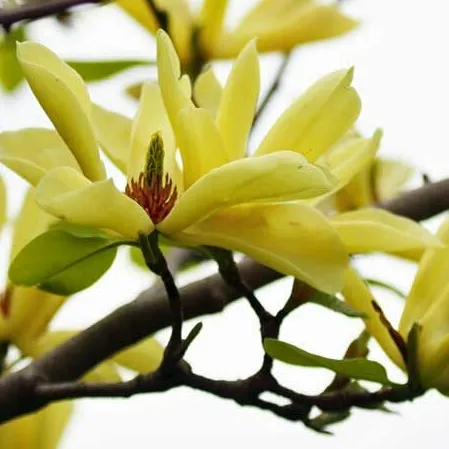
x=153 y=191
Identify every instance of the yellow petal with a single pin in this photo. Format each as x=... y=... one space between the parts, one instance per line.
x=141 y=12
x=390 y=176
x=3 y=204
x=66 y=194
x=63 y=95
x=169 y=72
x=281 y=176
x=430 y=282
x=31 y=311
x=211 y=19
x=238 y=102
x=317 y=120
x=53 y=422
x=144 y=357
x=20 y=433
x=151 y=118
x=291 y=238
x=350 y=163
x=200 y=144
x=30 y=222
x=113 y=132
x=368 y=230
x=357 y=295
x=32 y=152
x=283 y=24
x=207 y=91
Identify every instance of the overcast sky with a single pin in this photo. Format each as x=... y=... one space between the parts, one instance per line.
x=400 y=57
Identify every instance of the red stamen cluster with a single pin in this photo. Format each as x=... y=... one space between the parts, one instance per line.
x=5 y=303
x=157 y=198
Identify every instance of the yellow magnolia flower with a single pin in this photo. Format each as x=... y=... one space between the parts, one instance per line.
x=427 y=305
x=279 y=25
x=218 y=198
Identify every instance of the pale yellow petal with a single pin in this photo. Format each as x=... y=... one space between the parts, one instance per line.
x=113 y=132
x=317 y=120
x=151 y=118
x=30 y=312
x=430 y=282
x=69 y=196
x=280 y=25
x=280 y=176
x=3 y=203
x=169 y=73
x=63 y=95
x=368 y=230
x=20 y=433
x=140 y=11
x=200 y=143
x=390 y=177
x=358 y=295
x=207 y=91
x=144 y=357
x=238 y=102
x=32 y=152
x=30 y=222
x=212 y=17
x=53 y=423
x=291 y=238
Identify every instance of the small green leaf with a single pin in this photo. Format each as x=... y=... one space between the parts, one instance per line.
x=62 y=263
x=356 y=368
x=333 y=303
x=325 y=419
x=99 y=70
x=386 y=286
x=11 y=74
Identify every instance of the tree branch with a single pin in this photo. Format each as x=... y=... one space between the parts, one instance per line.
x=150 y=312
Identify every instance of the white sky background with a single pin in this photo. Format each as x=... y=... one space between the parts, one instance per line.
x=401 y=74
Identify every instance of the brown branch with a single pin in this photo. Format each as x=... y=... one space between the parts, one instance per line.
x=38 y=10
x=149 y=312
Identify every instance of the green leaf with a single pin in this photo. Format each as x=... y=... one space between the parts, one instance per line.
x=384 y=285
x=356 y=368
x=325 y=419
x=11 y=74
x=63 y=263
x=99 y=70
x=79 y=230
x=333 y=303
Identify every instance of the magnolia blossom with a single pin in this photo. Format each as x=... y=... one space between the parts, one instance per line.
x=279 y=25
x=427 y=305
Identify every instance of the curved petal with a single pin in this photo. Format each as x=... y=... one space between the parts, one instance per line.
x=31 y=311
x=39 y=430
x=317 y=120
x=212 y=17
x=280 y=25
x=32 y=152
x=63 y=95
x=141 y=12
x=200 y=144
x=238 y=102
x=207 y=91
x=169 y=73
x=280 y=176
x=3 y=203
x=113 y=132
x=151 y=118
x=30 y=222
x=68 y=195
x=358 y=295
x=390 y=176
x=430 y=282
x=368 y=230
x=294 y=239
x=144 y=357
